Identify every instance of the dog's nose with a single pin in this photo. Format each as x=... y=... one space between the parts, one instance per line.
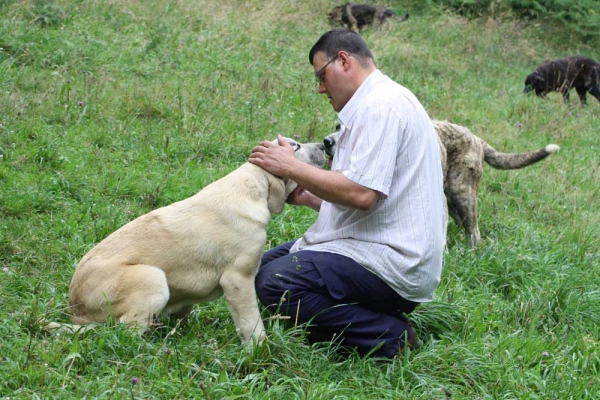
x=328 y=142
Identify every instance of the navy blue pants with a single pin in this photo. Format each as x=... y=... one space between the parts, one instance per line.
x=337 y=297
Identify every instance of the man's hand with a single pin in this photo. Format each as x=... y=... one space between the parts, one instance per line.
x=332 y=186
x=302 y=197
x=276 y=158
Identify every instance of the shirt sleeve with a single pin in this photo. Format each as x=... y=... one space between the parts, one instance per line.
x=376 y=134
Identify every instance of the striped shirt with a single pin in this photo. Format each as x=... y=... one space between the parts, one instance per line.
x=388 y=143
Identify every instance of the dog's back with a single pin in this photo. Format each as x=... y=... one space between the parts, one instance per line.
x=164 y=248
x=458 y=140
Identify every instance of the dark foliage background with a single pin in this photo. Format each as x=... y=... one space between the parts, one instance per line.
x=578 y=19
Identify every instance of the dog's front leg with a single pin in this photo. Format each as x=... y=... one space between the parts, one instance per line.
x=594 y=91
x=565 y=93
x=240 y=294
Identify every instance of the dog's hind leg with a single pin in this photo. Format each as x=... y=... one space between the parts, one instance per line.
x=143 y=294
x=240 y=294
x=352 y=23
x=461 y=188
x=564 y=90
x=581 y=91
x=463 y=210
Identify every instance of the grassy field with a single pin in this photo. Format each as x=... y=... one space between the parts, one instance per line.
x=111 y=108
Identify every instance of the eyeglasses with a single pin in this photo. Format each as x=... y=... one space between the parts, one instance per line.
x=320 y=74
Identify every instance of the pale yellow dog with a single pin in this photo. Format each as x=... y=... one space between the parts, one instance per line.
x=191 y=251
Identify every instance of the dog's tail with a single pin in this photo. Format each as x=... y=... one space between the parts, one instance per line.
x=516 y=160
x=400 y=19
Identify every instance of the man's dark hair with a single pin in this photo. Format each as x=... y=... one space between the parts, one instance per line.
x=340 y=39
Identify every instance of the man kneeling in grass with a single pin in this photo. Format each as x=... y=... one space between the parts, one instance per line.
x=375 y=251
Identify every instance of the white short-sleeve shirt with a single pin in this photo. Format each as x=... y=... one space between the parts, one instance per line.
x=388 y=143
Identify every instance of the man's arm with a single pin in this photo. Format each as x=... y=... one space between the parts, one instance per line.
x=302 y=197
x=331 y=186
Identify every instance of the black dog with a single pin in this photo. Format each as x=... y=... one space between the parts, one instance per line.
x=357 y=16
x=563 y=74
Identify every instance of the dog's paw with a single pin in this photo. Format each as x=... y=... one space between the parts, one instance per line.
x=52 y=326
x=56 y=328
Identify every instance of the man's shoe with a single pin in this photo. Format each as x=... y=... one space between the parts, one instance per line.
x=409 y=338
x=412 y=340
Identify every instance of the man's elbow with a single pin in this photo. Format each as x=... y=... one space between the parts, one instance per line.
x=367 y=200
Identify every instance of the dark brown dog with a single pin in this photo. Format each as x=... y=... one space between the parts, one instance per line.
x=563 y=74
x=357 y=16
x=463 y=155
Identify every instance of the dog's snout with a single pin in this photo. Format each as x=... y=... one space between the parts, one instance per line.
x=328 y=142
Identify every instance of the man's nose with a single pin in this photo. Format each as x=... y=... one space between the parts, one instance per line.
x=321 y=88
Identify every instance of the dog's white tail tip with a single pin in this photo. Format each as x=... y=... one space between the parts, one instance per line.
x=552 y=148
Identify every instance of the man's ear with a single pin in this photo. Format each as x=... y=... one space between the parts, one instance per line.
x=344 y=58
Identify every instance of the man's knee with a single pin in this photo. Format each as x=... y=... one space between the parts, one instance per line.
x=283 y=278
x=276 y=252
x=268 y=289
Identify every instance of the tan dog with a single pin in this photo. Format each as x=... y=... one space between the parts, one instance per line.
x=191 y=251
x=463 y=155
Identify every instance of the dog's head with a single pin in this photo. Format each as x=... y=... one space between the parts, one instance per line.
x=310 y=153
x=335 y=16
x=330 y=142
x=535 y=82
x=279 y=189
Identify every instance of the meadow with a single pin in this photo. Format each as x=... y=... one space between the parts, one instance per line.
x=111 y=108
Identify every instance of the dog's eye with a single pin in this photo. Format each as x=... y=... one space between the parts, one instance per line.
x=296 y=147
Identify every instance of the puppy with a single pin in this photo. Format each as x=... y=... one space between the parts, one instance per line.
x=563 y=74
x=357 y=16
x=191 y=251
x=463 y=155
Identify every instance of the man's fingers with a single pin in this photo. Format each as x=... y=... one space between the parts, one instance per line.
x=282 y=142
x=261 y=147
x=256 y=161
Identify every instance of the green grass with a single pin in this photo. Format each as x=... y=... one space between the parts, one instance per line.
x=109 y=109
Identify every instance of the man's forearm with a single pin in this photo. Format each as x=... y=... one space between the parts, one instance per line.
x=313 y=202
x=333 y=186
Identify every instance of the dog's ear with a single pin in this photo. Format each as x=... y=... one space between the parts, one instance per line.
x=534 y=81
x=277 y=194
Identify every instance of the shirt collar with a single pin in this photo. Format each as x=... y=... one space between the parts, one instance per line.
x=346 y=113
